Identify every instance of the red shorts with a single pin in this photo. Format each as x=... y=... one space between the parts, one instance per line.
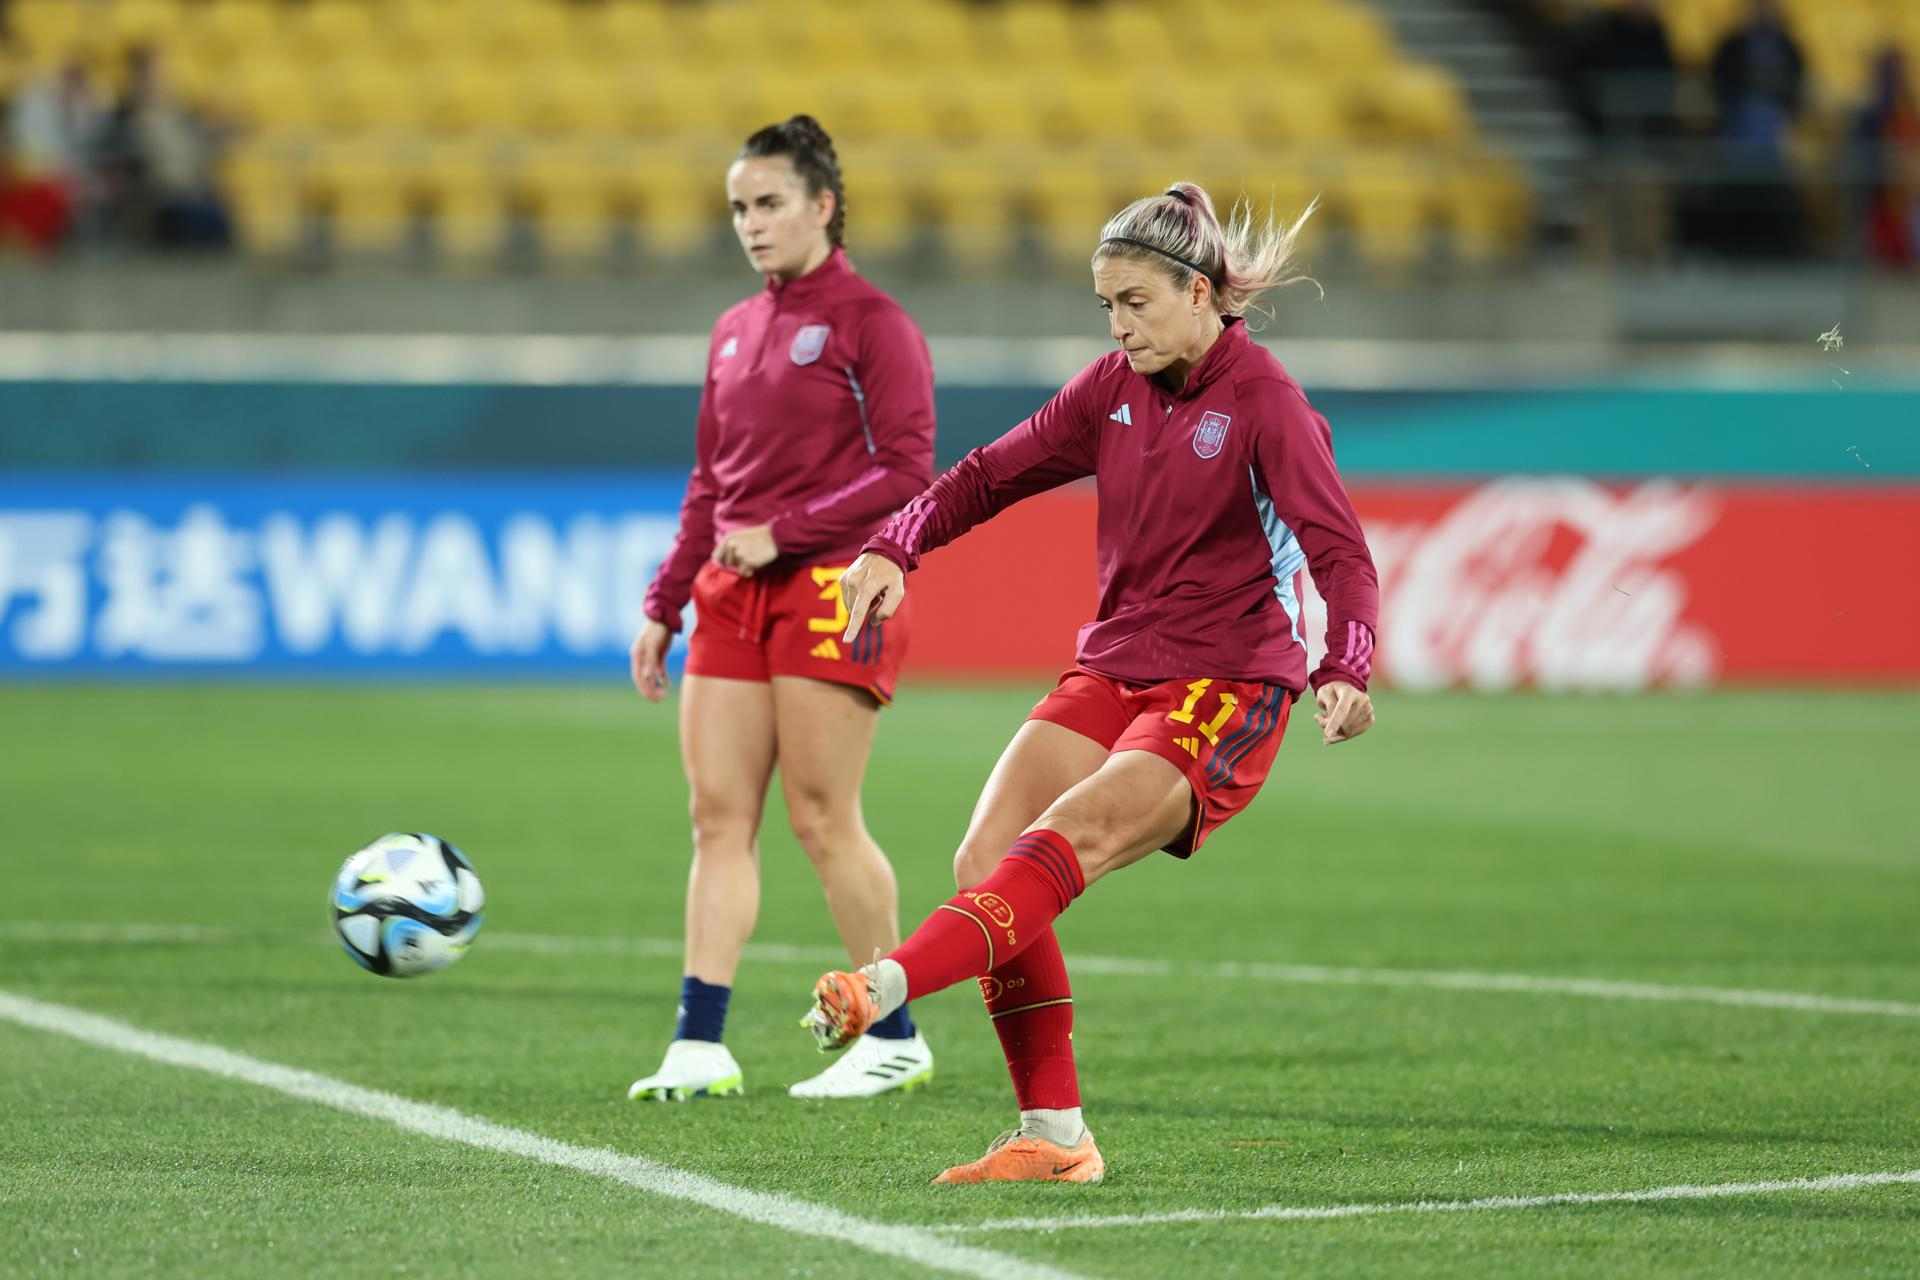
x=1222 y=734
x=790 y=624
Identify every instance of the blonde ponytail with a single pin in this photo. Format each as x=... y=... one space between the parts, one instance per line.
x=1244 y=259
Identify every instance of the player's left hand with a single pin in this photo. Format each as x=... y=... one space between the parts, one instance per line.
x=1345 y=712
x=745 y=550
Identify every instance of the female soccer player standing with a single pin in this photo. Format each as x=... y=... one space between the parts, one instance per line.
x=816 y=420
x=1216 y=483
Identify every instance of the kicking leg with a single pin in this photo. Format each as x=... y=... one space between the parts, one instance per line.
x=1135 y=803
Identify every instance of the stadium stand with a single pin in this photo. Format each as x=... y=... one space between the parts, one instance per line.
x=1839 y=37
x=374 y=128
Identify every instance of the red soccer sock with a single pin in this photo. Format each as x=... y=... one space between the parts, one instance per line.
x=979 y=929
x=1031 y=1005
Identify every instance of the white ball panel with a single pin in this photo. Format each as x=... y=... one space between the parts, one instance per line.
x=362 y=934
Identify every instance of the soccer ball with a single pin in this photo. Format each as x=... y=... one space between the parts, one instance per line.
x=407 y=905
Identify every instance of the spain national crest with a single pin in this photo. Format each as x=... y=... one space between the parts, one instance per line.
x=809 y=343
x=1211 y=434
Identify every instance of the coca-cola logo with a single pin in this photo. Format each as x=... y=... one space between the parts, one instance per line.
x=1556 y=583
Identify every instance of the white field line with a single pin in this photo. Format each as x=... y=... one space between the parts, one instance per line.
x=1105 y=966
x=911 y=1244
x=1287 y=1213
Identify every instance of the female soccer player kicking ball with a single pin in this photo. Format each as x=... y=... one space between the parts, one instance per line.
x=1216 y=483
x=815 y=422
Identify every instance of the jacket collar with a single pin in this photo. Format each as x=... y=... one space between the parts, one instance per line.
x=1220 y=357
x=822 y=279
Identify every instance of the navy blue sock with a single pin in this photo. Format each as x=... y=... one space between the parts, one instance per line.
x=897 y=1025
x=703 y=1010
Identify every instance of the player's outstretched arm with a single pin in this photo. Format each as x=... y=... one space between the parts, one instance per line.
x=872 y=585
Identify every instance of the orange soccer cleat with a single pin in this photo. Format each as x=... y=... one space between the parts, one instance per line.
x=1013 y=1158
x=843 y=1008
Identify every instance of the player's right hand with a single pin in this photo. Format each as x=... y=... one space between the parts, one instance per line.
x=874 y=585
x=648 y=660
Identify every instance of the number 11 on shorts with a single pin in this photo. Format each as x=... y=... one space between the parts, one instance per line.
x=1210 y=729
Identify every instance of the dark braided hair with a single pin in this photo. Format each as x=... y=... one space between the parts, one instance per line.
x=802 y=140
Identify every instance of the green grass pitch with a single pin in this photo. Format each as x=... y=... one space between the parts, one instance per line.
x=1755 y=841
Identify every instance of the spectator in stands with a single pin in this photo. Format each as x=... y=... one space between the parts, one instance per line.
x=1886 y=145
x=1626 y=72
x=34 y=212
x=1759 y=86
x=159 y=158
x=1623 y=67
x=54 y=129
x=1759 y=75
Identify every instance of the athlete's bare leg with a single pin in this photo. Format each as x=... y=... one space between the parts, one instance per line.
x=825 y=734
x=727 y=749
x=1136 y=803
x=1042 y=763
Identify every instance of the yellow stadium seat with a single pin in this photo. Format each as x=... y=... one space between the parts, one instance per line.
x=369 y=94
x=631 y=35
x=1284 y=109
x=1411 y=101
x=271 y=93
x=1072 y=201
x=928 y=37
x=366 y=196
x=263 y=187
x=51 y=31
x=737 y=35
x=839 y=40
x=330 y=30
x=972 y=195
x=1696 y=27
x=1840 y=46
x=779 y=93
x=524 y=32
x=1484 y=209
x=145 y=22
x=238 y=30
x=472 y=97
x=850 y=108
x=683 y=205
x=677 y=102
x=1034 y=33
x=461 y=180
x=1326 y=38
x=880 y=213
x=1169 y=119
x=1075 y=110
x=958 y=112
x=1135 y=31
x=1386 y=203
x=425 y=32
x=580 y=98
x=903 y=110
x=196 y=75
x=566 y=185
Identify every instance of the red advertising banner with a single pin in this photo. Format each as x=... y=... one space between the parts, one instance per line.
x=1553 y=583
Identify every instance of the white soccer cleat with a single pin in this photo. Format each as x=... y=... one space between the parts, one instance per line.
x=872 y=1066
x=691 y=1069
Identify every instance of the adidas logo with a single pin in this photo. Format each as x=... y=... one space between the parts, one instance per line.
x=1189 y=745
x=892 y=1068
x=1123 y=415
x=826 y=649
